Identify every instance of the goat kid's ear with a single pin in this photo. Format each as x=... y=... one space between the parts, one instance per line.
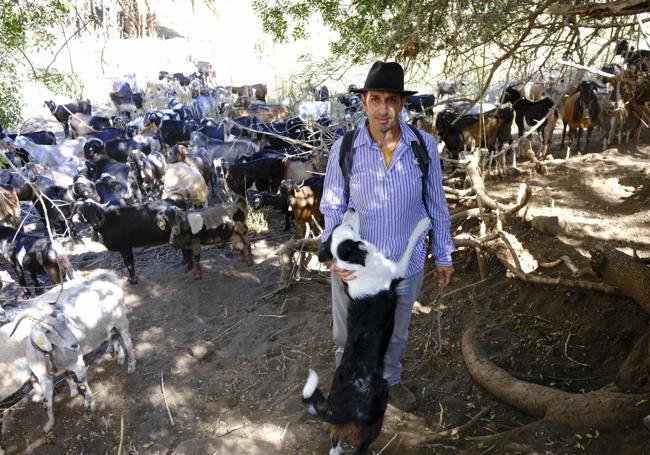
x=352 y=251
x=40 y=340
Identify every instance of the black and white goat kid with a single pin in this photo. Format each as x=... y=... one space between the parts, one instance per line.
x=357 y=401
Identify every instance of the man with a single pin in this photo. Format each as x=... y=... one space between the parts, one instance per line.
x=385 y=187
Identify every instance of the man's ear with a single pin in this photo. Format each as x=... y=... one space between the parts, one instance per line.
x=352 y=251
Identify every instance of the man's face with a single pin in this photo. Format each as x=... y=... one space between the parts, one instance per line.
x=383 y=109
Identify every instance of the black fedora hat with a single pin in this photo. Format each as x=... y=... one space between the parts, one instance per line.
x=385 y=77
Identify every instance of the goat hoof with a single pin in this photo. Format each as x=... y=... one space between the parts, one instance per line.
x=133 y=280
x=131 y=368
x=48 y=427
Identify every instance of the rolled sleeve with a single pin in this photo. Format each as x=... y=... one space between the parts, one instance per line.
x=334 y=202
x=442 y=244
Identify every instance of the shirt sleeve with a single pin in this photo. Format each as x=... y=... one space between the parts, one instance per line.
x=334 y=202
x=442 y=244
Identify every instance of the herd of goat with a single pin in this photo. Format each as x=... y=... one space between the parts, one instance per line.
x=176 y=176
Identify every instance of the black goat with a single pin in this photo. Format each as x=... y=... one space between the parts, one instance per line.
x=172 y=132
x=529 y=113
x=124 y=228
x=266 y=173
x=63 y=112
x=33 y=254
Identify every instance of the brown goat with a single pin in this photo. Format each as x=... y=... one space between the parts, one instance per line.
x=581 y=111
x=9 y=206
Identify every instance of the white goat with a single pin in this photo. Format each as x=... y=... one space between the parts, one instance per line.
x=182 y=181
x=52 y=155
x=52 y=349
x=95 y=312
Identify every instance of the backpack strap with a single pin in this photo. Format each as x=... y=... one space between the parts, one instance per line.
x=345 y=159
x=422 y=156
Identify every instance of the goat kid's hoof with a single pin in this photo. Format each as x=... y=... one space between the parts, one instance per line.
x=133 y=280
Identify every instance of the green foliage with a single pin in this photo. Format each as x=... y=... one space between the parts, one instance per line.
x=475 y=38
x=25 y=25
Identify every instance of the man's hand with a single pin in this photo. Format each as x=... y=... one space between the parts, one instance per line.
x=443 y=274
x=344 y=275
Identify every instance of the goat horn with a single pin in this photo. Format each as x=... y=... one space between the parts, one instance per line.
x=26 y=315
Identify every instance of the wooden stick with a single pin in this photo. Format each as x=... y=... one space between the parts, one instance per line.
x=119 y=448
x=162 y=388
x=566 y=354
x=226 y=331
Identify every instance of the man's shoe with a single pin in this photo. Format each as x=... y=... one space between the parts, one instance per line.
x=402 y=398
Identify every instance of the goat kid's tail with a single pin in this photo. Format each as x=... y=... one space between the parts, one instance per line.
x=312 y=398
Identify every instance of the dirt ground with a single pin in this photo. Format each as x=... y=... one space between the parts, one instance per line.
x=245 y=397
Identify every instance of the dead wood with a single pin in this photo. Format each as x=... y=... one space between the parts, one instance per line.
x=512 y=255
x=599 y=409
x=628 y=274
x=523 y=195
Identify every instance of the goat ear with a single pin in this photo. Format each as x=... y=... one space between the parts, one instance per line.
x=352 y=251
x=39 y=339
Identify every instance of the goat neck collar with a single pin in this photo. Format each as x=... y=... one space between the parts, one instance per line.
x=49 y=363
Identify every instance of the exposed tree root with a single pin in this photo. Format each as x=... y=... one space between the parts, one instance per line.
x=599 y=409
x=625 y=272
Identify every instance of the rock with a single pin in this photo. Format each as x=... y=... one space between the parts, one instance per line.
x=202 y=349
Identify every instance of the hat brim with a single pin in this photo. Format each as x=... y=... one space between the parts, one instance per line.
x=391 y=90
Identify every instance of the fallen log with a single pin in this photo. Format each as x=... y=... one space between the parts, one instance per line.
x=599 y=409
x=627 y=273
x=523 y=195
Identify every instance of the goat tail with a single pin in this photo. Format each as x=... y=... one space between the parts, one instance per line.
x=313 y=399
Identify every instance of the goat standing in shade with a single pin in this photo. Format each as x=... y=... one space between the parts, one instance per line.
x=581 y=111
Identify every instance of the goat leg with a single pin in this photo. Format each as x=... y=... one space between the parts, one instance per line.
x=47 y=385
x=122 y=329
x=196 y=259
x=82 y=383
x=127 y=256
x=72 y=384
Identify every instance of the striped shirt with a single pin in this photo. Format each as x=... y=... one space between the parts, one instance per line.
x=389 y=200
